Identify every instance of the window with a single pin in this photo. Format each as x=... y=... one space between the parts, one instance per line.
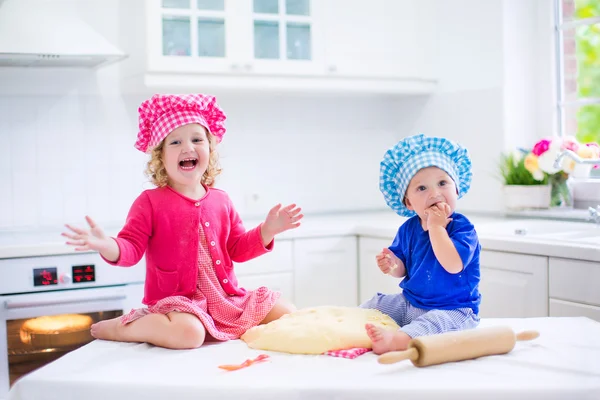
x=578 y=66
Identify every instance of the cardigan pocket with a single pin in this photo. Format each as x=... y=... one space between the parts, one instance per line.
x=168 y=281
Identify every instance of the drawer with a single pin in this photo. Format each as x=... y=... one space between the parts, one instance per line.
x=278 y=260
x=281 y=282
x=560 y=308
x=574 y=280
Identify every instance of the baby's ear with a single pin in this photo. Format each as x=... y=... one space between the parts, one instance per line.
x=407 y=204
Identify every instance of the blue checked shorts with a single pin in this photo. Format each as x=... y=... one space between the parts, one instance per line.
x=419 y=322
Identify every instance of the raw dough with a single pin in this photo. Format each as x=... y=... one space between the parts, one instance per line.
x=318 y=330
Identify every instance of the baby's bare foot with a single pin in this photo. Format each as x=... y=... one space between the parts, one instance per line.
x=106 y=330
x=385 y=340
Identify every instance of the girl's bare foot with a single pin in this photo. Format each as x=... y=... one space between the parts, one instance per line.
x=107 y=330
x=385 y=340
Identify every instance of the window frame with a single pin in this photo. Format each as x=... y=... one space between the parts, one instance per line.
x=562 y=104
x=559 y=26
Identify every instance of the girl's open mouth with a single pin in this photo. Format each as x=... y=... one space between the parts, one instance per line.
x=188 y=164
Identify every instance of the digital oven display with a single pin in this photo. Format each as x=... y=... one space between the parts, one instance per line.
x=45 y=276
x=84 y=273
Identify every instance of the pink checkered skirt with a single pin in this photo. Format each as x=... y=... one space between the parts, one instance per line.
x=224 y=317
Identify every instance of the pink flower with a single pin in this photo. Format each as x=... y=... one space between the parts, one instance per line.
x=594 y=146
x=570 y=143
x=542 y=146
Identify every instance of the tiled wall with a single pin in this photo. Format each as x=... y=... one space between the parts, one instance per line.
x=63 y=157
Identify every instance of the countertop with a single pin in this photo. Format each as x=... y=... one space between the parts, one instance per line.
x=562 y=363
x=495 y=233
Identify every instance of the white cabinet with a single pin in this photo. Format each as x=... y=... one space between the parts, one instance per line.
x=574 y=288
x=387 y=39
x=279 y=282
x=371 y=279
x=379 y=46
x=560 y=308
x=513 y=285
x=273 y=270
x=280 y=259
x=235 y=37
x=325 y=271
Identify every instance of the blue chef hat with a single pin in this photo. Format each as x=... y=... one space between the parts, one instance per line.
x=401 y=162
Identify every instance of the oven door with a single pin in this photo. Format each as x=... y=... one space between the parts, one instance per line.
x=37 y=328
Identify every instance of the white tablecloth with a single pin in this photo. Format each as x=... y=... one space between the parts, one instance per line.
x=563 y=363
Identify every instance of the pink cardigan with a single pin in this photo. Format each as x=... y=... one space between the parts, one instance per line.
x=164 y=224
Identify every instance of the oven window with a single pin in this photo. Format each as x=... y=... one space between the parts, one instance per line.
x=34 y=342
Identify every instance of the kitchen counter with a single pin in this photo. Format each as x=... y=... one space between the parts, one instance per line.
x=563 y=363
x=495 y=233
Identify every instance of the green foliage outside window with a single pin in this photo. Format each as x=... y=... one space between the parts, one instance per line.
x=588 y=74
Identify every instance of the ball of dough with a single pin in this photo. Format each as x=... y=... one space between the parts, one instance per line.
x=317 y=330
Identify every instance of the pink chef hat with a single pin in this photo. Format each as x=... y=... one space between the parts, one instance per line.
x=161 y=114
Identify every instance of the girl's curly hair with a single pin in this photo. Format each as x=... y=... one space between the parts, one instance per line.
x=156 y=171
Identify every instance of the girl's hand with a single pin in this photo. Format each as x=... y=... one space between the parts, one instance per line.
x=387 y=261
x=281 y=219
x=95 y=239
x=437 y=215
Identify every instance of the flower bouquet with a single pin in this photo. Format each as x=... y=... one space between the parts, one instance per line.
x=536 y=166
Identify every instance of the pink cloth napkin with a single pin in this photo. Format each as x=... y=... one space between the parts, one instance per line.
x=348 y=353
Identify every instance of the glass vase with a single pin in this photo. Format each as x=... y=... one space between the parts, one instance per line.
x=560 y=195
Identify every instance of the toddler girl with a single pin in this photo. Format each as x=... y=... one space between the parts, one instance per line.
x=190 y=234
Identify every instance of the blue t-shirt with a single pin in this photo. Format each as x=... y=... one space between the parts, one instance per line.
x=427 y=284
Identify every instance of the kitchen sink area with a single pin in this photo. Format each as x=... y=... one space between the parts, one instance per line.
x=588 y=236
x=545 y=230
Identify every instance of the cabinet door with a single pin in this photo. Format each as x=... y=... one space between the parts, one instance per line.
x=561 y=308
x=575 y=280
x=283 y=37
x=513 y=285
x=371 y=279
x=325 y=271
x=379 y=38
x=280 y=259
x=192 y=35
x=280 y=282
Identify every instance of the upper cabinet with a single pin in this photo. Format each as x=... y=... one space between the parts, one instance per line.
x=391 y=40
x=305 y=45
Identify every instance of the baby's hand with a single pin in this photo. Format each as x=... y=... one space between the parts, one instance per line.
x=387 y=261
x=438 y=215
x=95 y=239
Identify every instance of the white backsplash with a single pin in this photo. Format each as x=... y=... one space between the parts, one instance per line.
x=67 y=156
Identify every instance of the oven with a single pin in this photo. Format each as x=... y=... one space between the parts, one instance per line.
x=47 y=305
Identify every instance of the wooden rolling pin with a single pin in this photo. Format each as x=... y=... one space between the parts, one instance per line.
x=457 y=346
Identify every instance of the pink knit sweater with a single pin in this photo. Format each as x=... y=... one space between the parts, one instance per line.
x=164 y=224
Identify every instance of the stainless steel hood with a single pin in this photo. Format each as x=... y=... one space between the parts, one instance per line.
x=44 y=33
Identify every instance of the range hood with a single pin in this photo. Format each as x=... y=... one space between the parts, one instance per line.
x=43 y=33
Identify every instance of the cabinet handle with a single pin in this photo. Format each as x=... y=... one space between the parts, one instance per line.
x=235 y=67
x=248 y=67
x=332 y=68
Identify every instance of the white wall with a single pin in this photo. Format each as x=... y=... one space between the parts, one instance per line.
x=494 y=61
x=66 y=156
x=70 y=154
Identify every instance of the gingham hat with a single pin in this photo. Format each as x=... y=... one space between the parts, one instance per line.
x=401 y=162
x=161 y=114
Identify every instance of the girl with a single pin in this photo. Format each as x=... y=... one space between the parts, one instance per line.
x=436 y=250
x=190 y=234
